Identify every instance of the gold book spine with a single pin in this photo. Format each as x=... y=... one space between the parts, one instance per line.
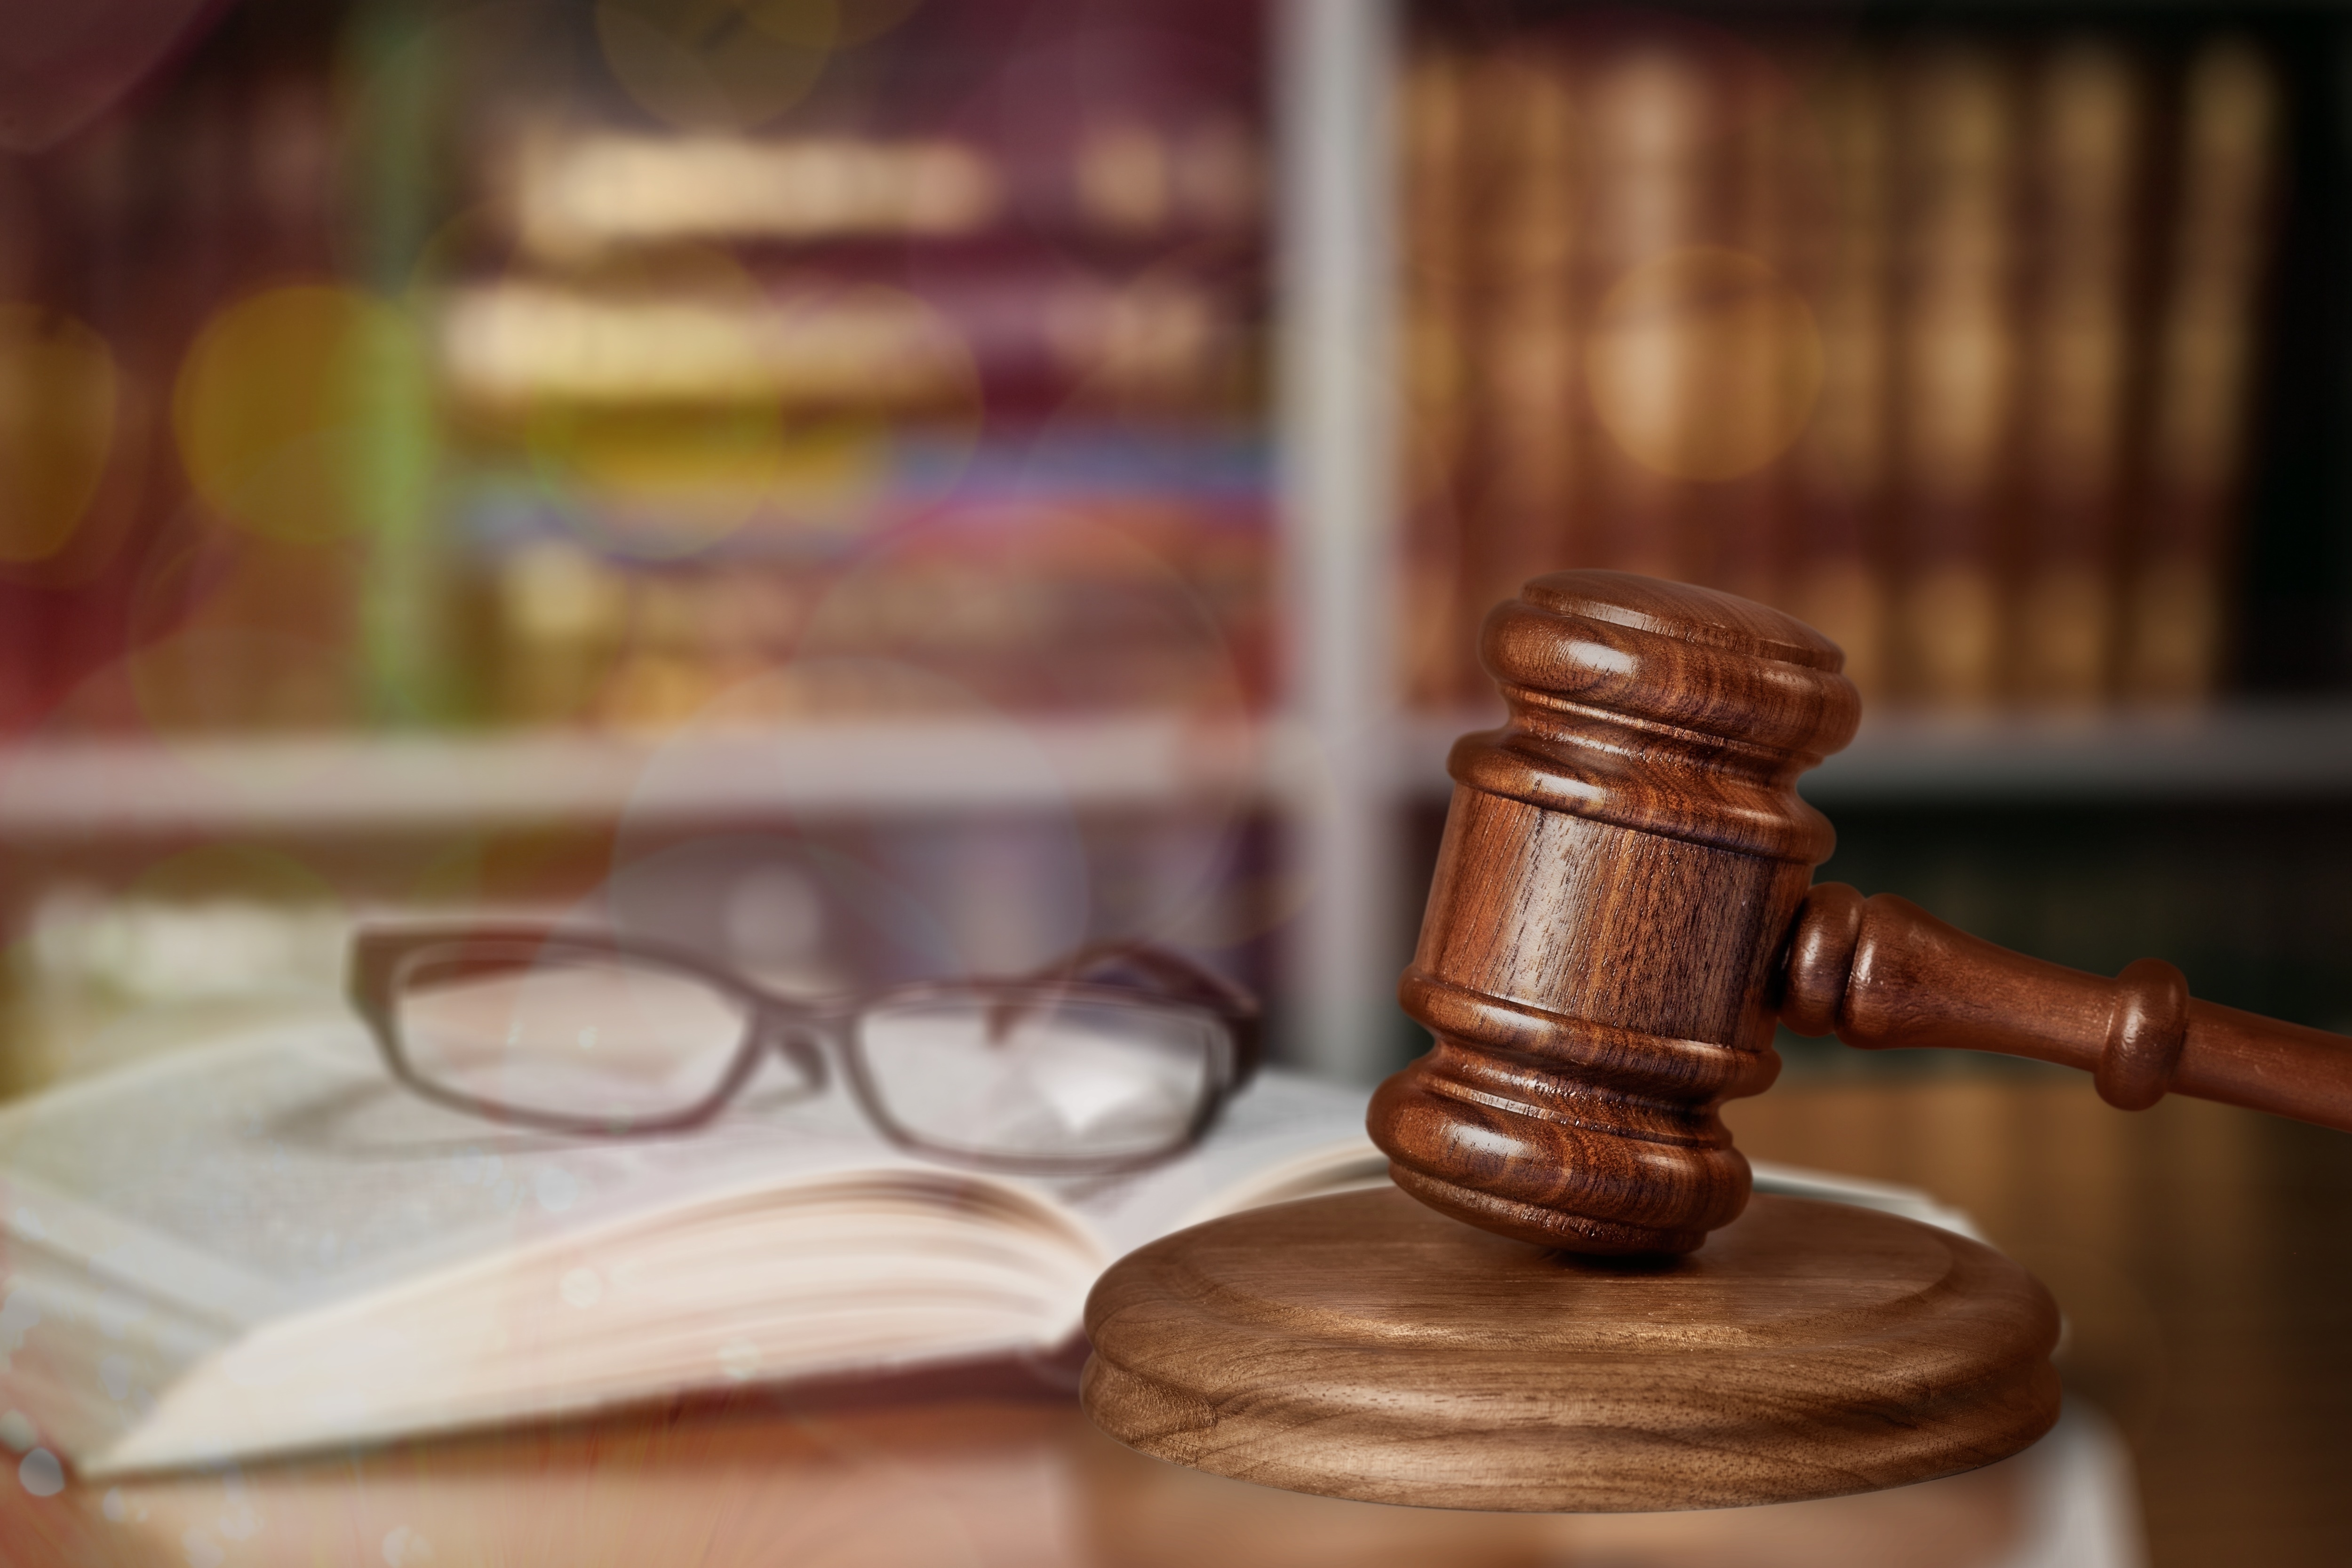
x=2203 y=353
x=1836 y=576
x=1437 y=668
x=2088 y=119
x=1652 y=385
x=1523 y=447
x=1957 y=371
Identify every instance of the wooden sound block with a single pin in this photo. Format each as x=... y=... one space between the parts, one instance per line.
x=1365 y=1346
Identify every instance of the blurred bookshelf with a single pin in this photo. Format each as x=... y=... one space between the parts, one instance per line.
x=955 y=423
x=1995 y=341
x=456 y=456
x=1943 y=335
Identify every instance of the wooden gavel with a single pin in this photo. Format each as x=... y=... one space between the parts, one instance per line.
x=1623 y=908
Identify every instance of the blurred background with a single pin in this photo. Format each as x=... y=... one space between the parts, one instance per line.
x=790 y=476
x=869 y=488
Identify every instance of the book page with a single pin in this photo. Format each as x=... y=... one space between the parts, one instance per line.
x=836 y=1274
x=282 y=1197
x=185 y=1211
x=288 y=1169
x=1304 y=1136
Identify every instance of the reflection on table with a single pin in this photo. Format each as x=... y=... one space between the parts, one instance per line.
x=2195 y=1249
x=2198 y=1252
x=990 y=1480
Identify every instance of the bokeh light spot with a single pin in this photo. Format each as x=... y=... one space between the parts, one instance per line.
x=282 y=403
x=1703 y=364
x=41 y=1474
x=59 y=389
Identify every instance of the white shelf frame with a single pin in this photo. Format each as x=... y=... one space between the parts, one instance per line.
x=68 y=788
x=1337 y=426
x=60 y=789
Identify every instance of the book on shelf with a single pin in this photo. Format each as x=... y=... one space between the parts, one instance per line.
x=1836 y=578
x=976 y=602
x=1652 y=119
x=1434 y=133
x=2179 y=571
x=1753 y=340
x=2086 y=113
x=1956 y=344
x=1520 y=454
x=262 y=1245
x=1945 y=343
x=349 y=272
x=885 y=405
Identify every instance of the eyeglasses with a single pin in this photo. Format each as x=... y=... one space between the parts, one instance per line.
x=1111 y=1058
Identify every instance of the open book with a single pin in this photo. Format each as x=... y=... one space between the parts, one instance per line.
x=263 y=1245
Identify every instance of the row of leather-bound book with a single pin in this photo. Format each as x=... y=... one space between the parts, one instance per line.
x=393 y=364
x=1946 y=345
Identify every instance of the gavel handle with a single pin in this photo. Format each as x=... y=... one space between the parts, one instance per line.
x=1883 y=972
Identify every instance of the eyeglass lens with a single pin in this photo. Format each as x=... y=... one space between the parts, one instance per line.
x=1042 y=1076
x=559 y=1036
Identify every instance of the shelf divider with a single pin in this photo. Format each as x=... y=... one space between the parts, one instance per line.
x=1337 y=424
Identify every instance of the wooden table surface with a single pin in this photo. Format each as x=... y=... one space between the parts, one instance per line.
x=2202 y=1255
x=2199 y=1254
x=962 y=1483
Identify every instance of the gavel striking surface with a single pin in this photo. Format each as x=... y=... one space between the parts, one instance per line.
x=1365 y=1346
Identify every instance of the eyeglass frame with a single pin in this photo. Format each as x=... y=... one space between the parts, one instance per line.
x=805 y=1031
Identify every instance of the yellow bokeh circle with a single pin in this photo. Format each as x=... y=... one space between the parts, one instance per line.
x=284 y=405
x=1703 y=364
x=58 y=396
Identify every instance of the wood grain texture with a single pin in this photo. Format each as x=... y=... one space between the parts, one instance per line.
x=1363 y=1346
x=1882 y=972
x=1615 y=922
x=1620 y=866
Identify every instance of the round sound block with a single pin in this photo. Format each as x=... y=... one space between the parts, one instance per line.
x=1365 y=1346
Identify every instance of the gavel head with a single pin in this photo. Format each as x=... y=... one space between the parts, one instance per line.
x=1622 y=861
